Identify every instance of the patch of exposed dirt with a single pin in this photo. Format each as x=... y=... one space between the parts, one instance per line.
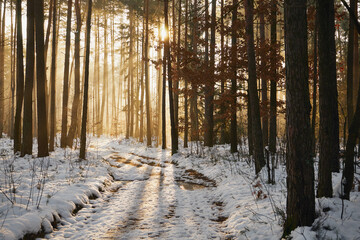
x=144 y=157
x=189 y=185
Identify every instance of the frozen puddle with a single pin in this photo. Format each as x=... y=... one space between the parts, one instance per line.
x=150 y=199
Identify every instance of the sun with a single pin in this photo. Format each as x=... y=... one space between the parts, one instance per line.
x=163 y=32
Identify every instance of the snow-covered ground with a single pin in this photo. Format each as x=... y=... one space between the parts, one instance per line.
x=128 y=191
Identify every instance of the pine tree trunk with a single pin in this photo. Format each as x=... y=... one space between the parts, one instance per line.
x=97 y=60
x=48 y=30
x=208 y=120
x=350 y=68
x=76 y=103
x=233 y=132
x=250 y=135
x=193 y=101
x=2 y=73
x=53 y=82
x=86 y=83
x=64 y=121
x=104 y=103
x=186 y=107
x=43 y=150
x=314 y=107
x=19 y=78
x=142 y=78
x=147 y=84
x=222 y=87
x=348 y=172
x=273 y=69
x=300 y=207
x=159 y=97
x=209 y=84
x=12 y=77
x=356 y=58
x=328 y=104
x=163 y=103
x=255 y=111
x=263 y=76
x=29 y=80
x=131 y=76
x=174 y=137
x=178 y=62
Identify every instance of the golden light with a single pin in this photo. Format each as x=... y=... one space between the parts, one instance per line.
x=163 y=32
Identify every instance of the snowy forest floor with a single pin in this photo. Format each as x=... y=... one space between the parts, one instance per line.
x=128 y=191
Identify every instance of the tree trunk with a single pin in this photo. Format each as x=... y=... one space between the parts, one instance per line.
x=193 y=101
x=64 y=121
x=209 y=88
x=186 y=107
x=76 y=102
x=130 y=79
x=273 y=69
x=163 y=103
x=142 y=77
x=233 y=132
x=159 y=97
x=104 y=103
x=2 y=76
x=43 y=150
x=356 y=59
x=313 y=119
x=114 y=110
x=53 y=82
x=29 y=80
x=13 y=67
x=178 y=63
x=348 y=172
x=19 y=79
x=174 y=137
x=222 y=87
x=86 y=83
x=147 y=84
x=255 y=111
x=300 y=207
x=48 y=30
x=350 y=68
x=263 y=76
x=328 y=104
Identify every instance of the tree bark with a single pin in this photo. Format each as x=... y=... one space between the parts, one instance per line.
x=76 y=103
x=193 y=98
x=350 y=69
x=86 y=83
x=328 y=104
x=64 y=121
x=300 y=207
x=263 y=76
x=53 y=81
x=147 y=84
x=43 y=150
x=255 y=111
x=174 y=137
x=186 y=97
x=313 y=119
x=12 y=76
x=19 y=79
x=2 y=72
x=233 y=132
x=29 y=80
x=273 y=69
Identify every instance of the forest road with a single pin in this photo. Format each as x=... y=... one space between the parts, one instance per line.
x=151 y=197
